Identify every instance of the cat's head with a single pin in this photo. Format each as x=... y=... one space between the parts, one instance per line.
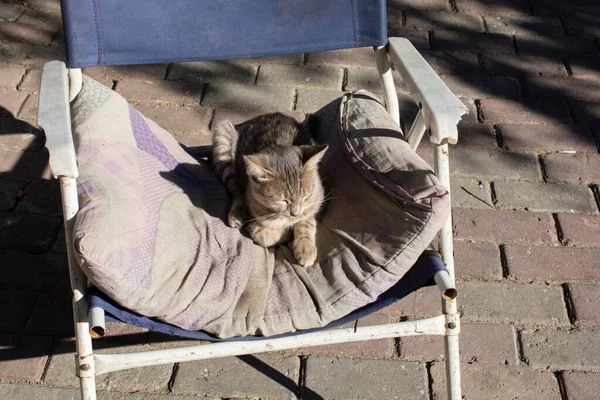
x=284 y=180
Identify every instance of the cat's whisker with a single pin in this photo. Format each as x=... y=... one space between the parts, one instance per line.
x=262 y=217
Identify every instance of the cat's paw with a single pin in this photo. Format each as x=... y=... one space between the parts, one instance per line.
x=305 y=252
x=264 y=237
x=234 y=219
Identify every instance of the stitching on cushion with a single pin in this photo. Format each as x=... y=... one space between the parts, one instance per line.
x=354 y=23
x=99 y=32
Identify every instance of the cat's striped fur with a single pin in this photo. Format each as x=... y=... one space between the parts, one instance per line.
x=273 y=181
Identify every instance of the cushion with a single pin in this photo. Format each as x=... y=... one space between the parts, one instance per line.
x=150 y=231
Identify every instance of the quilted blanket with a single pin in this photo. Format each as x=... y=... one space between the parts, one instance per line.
x=151 y=234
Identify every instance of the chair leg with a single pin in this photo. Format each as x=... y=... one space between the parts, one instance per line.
x=452 y=367
x=387 y=83
x=84 y=357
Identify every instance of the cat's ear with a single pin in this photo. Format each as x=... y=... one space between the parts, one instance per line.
x=256 y=168
x=312 y=155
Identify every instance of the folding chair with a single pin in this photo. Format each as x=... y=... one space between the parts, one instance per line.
x=148 y=31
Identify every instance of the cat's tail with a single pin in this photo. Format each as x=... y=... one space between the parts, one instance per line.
x=224 y=145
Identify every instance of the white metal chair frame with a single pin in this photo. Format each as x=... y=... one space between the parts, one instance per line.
x=439 y=113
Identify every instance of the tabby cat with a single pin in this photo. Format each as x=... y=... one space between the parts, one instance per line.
x=273 y=182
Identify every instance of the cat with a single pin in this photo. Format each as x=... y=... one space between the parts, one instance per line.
x=273 y=181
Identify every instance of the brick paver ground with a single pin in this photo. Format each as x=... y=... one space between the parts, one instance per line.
x=526 y=203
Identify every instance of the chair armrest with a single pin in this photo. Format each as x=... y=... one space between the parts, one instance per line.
x=54 y=117
x=441 y=110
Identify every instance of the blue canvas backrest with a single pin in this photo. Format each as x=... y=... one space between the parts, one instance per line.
x=119 y=32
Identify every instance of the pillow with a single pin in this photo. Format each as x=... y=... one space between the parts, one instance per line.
x=150 y=231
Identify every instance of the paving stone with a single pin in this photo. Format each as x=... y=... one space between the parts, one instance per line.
x=584 y=297
x=11 y=102
x=469 y=119
x=419 y=39
x=562 y=350
x=476 y=135
x=52 y=314
x=108 y=75
x=481 y=87
x=266 y=376
x=395 y=17
x=523 y=25
x=470 y=193
x=483 y=42
x=60 y=244
x=300 y=76
x=21 y=53
x=357 y=57
x=311 y=100
x=10 y=192
x=178 y=119
x=493 y=302
x=569 y=88
x=578 y=168
x=61 y=371
x=383 y=348
x=477 y=261
x=368 y=79
x=333 y=378
x=32 y=81
x=23 y=357
x=479 y=343
x=29 y=392
x=125 y=332
x=8 y=12
x=581 y=385
x=587 y=113
x=585 y=66
x=497 y=226
x=559 y=264
x=213 y=72
x=511 y=7
x=10 y=76
x=29 y=110
x=32 y=270
x=239 y=116
x=17 y=307
x=31 y=233
x=495 y=164
x=430 y=20
x=580 y=230
x=20 y=135
x=555 y=45
x=29 y=28
x=254 y=97
x=496 y=382
x=41 y=198
x=523 y=65
x=290 y=59
x=192 y=139
x=547 y=138
x=585 y=25
x=159 y=91
x=433 y=5
x=452 y=62
x=525 y=112
x=540 y=197
x=560 y=8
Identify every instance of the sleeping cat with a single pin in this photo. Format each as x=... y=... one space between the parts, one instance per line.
x=274 y=183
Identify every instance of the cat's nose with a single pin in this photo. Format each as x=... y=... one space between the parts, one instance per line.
x=295 y=210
